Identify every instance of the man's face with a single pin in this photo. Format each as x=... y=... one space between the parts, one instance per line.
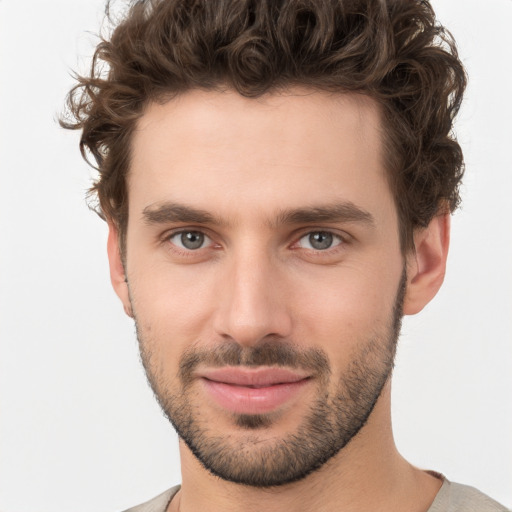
x=265 y=274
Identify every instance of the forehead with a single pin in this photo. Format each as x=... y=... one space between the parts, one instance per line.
x=281 y=150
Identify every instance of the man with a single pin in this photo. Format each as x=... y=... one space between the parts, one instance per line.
x=278 y=179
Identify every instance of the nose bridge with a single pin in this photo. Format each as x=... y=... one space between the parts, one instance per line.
x=251 y=307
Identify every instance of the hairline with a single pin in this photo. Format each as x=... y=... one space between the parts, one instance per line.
x=388 y=154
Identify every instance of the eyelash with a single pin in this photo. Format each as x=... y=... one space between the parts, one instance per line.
x=342 y=238
x=335 y=236
x=187 y=253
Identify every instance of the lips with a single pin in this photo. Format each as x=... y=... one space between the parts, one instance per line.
x=253 y=391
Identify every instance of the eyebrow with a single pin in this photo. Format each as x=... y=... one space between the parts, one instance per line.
x=174 y=212
x=338 y=212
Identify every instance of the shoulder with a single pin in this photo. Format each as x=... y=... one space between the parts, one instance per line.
x=453 y=497
x=157 y=504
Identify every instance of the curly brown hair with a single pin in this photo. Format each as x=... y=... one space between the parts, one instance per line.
x=394 y=51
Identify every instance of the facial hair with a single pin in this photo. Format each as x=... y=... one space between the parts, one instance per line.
x=333 y=419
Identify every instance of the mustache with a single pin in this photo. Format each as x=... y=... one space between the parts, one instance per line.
x=268 y=353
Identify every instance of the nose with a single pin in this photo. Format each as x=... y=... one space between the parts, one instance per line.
x=252 y=303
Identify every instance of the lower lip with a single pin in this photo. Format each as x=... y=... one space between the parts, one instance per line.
x=246 y=400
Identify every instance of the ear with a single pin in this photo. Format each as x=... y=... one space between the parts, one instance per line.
x=426 y=264
x=117 y=271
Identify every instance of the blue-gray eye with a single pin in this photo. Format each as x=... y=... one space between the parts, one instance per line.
x=320 y=240
x=190 y=240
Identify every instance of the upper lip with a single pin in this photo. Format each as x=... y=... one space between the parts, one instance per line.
x=257 y=377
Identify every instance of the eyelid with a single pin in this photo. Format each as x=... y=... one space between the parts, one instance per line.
x=168 y=233
x=336 y=242
x=165 y=238
x=342 y=235
x=206 y=239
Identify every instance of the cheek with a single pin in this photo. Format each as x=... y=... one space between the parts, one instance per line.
x=344 y=310
x=172 y=306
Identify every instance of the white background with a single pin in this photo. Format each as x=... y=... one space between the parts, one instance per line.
x=79 y=429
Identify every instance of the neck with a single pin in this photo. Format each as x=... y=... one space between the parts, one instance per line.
x=368 y=474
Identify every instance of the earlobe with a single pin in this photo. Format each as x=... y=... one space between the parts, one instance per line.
x=117 y=270
x=426 y=265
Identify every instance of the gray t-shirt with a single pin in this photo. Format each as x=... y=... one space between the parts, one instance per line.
x=450 y=498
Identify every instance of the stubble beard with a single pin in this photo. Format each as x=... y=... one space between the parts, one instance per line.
x=334 y=418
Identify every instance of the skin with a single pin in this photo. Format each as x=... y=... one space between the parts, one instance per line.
x=245 y=162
